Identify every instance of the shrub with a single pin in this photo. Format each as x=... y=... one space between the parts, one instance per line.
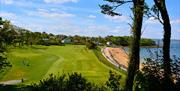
x=3 y=61
x=151 y=77
x=113 y=81
x=72 y=82
x=90 y=45
x=49 y=42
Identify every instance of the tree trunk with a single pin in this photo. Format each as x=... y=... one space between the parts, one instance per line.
x=135 y=46
x=166 y=44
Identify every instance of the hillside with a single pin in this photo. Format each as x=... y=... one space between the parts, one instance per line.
x=37 y=62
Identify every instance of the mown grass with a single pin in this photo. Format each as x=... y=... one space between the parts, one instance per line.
x=35 y=63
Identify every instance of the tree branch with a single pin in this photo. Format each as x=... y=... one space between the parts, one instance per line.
x=110 y=9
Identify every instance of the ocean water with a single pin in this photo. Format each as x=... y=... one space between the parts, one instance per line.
x=146 y=52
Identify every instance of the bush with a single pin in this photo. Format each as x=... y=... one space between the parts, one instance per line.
x=147 y=42
x=49 y=42
x=72 y=82
x=90 y=45
x=113 y=81
x=76 y=82
x=151 y=77
x=3 y=61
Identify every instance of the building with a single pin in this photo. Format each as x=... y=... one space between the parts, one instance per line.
x=66 y=41
x=108 y=43
x=1 y=26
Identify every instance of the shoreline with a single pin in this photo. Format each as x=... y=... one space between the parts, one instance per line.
x=155 y=46
x=117 y=56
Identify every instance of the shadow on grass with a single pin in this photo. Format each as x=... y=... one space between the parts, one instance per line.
x=15 y=88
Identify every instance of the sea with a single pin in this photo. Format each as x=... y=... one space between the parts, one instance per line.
x=148 y=52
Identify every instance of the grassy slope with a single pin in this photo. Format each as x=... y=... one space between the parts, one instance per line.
x=101 y=58
x=55 y=59
x=39 y=63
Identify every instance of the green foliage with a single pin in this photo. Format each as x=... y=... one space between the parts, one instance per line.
x=4 y=38
x=50 y=42
x=1 y=21
x=126 y=41
x=110 y=9
x=79 y=40
x=53 y=83
x=117 y=40
x=16 y=36
x=151 y=77
x=90 y=45
x=76 y=82
x=147 y=42
x=72 y=82
x=113 y=81
x=3 y=61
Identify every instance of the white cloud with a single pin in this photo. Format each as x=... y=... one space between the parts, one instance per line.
x=92 y=16
x=152 y=20
x=60 y=1
x=6 y=1
x=50 y=14
x=177 y=21
x=8 y=15
x=2 y=14
x=118 y=18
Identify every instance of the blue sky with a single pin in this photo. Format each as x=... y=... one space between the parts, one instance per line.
x=82 y=17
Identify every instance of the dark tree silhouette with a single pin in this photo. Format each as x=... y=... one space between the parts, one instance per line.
x=138 y=11
x=114 y=81
x=161 y=14
x=3 y=59
x=166 y=43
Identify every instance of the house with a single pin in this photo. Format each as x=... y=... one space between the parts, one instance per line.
x=1 y=26
x=66 y=41
x=98 y=43
x=108 y=43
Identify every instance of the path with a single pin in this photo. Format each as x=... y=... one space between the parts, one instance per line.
x=11 y=82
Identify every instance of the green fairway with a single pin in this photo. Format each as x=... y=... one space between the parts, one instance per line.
x=34 y=63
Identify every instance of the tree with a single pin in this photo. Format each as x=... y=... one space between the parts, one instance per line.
x=90 y=44
x=150 y=78
x=138 y=11
x=113 y=81
x=161 y=14
x=70 y=82
x=166 y=43
x=76 y=82
x=3 y=59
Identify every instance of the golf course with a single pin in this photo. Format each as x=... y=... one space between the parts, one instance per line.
x=33 y=63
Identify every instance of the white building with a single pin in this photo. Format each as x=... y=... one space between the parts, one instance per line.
x=108 y=43
x=1 y=26
x=66 y=40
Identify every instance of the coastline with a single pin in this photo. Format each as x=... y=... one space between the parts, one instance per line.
x=117 y=56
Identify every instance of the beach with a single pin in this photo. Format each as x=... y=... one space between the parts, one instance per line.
x=116 y=56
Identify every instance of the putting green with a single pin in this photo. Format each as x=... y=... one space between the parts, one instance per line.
x=35 y=63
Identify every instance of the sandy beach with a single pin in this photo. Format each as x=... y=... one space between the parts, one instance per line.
x=117 y=56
